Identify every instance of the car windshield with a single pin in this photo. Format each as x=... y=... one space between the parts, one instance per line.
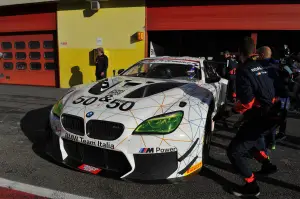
x=163 y=71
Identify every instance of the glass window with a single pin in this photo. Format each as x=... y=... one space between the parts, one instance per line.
x=20 y=55
x=49 y=55
x=35 y=55
x=34 y=44
x=8 y=55
x=210 y=71
x=48 y=44
x=6 y=45
x=20 y=45
x=167 y=70
x=8 y=65
x=35 y=66
x=50 y=66
x=21 y=66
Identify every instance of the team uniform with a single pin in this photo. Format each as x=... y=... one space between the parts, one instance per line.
x=256 y=94
x=281 y=80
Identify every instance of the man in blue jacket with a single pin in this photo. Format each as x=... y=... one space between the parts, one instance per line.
x=281 y=79
x=255 y=92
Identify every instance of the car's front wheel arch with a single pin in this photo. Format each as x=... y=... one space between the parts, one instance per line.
x=208 y=133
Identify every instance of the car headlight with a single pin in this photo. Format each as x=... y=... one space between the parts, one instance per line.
x=57 y=108
x=162 y=124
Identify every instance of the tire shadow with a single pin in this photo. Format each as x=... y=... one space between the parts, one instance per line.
x=35 y=126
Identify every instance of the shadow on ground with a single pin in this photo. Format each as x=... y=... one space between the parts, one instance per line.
x=35 y=126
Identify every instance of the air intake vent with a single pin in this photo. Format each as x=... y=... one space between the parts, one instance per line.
x=131 y=84
x=152 y=89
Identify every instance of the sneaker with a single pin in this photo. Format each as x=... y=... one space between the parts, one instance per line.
x=267 y=169
x=248 y=190
x=280 y=136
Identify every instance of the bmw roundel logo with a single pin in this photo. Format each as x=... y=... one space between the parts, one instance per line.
x=90 y=114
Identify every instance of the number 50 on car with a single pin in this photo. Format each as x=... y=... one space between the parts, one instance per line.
x=121 y=104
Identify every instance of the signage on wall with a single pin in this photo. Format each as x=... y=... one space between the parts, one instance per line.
x=63 y=43
x=99 y=41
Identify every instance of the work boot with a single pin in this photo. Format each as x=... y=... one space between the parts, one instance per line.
x=248 y=190
x=267 y=169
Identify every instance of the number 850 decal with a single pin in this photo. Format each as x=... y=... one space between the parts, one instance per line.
x=123 y=105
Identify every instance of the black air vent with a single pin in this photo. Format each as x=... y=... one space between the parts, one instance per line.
x=101 y=87
x=153 y=89
x=73 y=124
x=131 y=84
x=104 y=130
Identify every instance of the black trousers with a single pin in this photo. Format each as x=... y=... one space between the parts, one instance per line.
x=231 y=87
x=249 y=141
x=99 y=77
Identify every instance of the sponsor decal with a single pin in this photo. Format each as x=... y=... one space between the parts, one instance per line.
x=157 y=150
x=89 y=169
x=90 y=114
x=256 y=69
x=260 y=73
x=76 y=138
x=112 y=104
x=116 y=92
x=146 y=150
x=193 y=168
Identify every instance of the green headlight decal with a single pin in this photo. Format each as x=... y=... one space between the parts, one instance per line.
x=57 y=108
x=163 y=124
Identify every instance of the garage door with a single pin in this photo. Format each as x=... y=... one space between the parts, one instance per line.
x=28 y=60
x=223 y=17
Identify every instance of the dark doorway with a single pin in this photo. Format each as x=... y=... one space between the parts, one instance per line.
x=276 y=40
x=197 y=43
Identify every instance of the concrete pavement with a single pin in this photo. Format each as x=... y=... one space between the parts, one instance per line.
x=23 y=112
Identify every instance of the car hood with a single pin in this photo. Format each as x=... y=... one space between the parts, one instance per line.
x=121 y=97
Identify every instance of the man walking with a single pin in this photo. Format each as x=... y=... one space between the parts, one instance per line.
x=101 y=64
x=255 y=92
x=281 y=80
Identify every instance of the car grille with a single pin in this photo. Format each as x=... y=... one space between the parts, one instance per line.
x=73 y=124
x=104 y=130
x=97 y=157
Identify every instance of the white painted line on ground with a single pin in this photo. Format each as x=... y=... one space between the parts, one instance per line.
x=39 y=191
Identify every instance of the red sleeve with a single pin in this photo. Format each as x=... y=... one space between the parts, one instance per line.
x=241 y=108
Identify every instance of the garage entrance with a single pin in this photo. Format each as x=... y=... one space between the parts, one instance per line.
x=194 y=43
x=28 y=59
x=29 y=43
x=182 y=27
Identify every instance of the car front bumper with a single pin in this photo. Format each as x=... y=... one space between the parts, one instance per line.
x=152 y=167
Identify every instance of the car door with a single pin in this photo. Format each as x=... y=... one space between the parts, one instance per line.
x=215 y=82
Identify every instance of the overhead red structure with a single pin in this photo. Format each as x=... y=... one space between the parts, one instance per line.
x=224 y=17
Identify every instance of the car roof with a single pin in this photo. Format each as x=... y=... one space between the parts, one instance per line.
x=187 y=60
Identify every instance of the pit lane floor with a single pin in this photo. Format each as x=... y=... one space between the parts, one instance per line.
x=22 y=116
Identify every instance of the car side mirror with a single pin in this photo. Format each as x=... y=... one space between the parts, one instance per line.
x=120 y=71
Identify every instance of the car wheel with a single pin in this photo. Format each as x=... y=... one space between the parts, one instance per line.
x=207 y=137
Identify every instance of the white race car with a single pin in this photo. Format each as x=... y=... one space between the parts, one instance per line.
x=151 y=122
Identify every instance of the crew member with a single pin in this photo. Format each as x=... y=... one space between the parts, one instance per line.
x=255 y=92
x=101 y=64
x=230 y=74
x=281 y=82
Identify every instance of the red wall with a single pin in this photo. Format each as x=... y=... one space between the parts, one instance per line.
x=31 y=22
x=224 y=17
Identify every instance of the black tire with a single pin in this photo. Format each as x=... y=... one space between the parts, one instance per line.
x=207 y=137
